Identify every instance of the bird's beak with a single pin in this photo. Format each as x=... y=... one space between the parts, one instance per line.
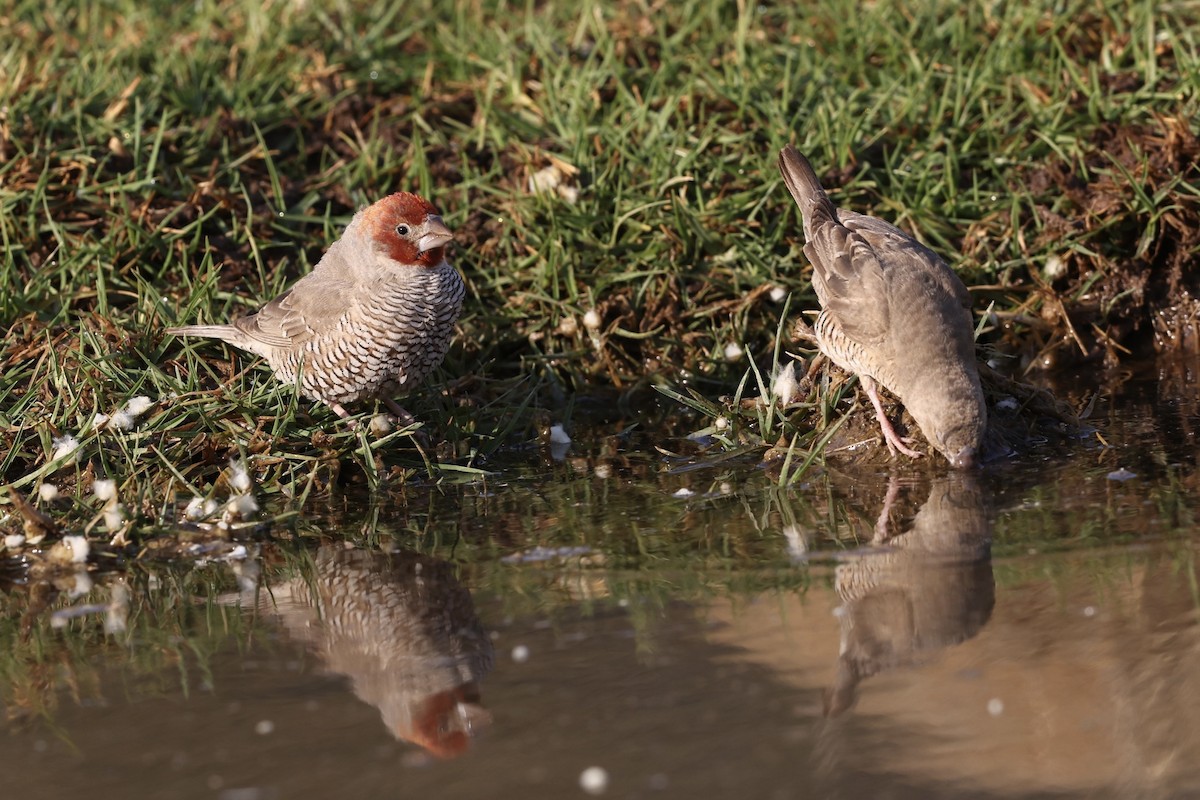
x=436 y=234
x=964 y=459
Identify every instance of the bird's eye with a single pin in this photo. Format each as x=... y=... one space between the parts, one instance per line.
x=402 y=230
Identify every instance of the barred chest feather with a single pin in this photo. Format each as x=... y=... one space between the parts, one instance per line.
x=393 y=338
x=848 y=354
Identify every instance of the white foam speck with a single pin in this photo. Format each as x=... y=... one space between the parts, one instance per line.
x=785 y=387
x=594 y=780
x=239 y=476
x=65 y=446
x=79 y=548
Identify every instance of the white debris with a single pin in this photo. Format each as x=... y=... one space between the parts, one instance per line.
x=683 y=492
x=1007 y=404
x=594 y=780
x=264 y=727
x=121 y=421
x=116 y=617
x=138 y=405
x=62 y=616
x=13 y=541
x=1089 y=611
x=785 y=387
x=591 y=320
x=125 y=418
x=114 y=517
x=777 y=294
x=721 y=423
x=734 y=352
x=105 y=489
x=1055 y=268
x=242 y=505
x=79 y=547
x=797 y=546
x=520 y=654
x=200 y=508
x=555 y=179
x=65 y=446
x=540 y=553
x=995 y=706
x=48 y=492
x=239 y=476
x=381 y=425
x=603 y=471
x=1121 y=474
x=558 y=435
x=569 y=193
x=545 y=180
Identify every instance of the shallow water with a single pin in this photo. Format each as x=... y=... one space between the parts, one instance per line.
x=1028 y=632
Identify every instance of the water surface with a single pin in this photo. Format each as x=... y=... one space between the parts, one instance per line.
x=1030 y=631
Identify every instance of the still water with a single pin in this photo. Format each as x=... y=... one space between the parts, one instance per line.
x=1030 y=631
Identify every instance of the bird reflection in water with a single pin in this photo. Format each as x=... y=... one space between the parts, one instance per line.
x=403 y=629
x=914 y=592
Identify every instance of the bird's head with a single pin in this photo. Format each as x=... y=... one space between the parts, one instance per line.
x=445 y=722
x=953 y=418
x=407 y=228
x=960 y=445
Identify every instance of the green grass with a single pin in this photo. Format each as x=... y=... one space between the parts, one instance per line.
x=165 y=163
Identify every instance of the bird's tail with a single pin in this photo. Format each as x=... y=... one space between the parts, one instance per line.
x=806 y=190
x=226 y=333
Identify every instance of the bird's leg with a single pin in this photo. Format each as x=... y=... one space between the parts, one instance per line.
x=419 y=437
x=344 y=414
x=814 y=365
x=881 y=524
x=894 y=442
x=402 y=415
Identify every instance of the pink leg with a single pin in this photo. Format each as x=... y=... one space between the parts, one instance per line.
x=894 y=442
x=881 y=524
x=343 y=414
x=402 y=416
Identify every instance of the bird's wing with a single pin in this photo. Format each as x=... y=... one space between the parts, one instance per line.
x=850 y=281
x=895 y=247
x=847 y=275
x=314 y=305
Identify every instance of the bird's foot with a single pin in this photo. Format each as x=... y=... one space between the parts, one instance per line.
x=894 y=441
x=403 y=418
x=899 y=443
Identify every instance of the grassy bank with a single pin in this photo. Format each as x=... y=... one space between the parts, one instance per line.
x=164 y=164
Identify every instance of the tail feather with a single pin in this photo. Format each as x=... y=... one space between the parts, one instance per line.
x=806 y=190
x=226 y=333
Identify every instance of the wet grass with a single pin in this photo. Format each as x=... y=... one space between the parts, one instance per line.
x=163 y=165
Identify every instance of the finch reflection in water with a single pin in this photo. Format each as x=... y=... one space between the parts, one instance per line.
x=918 y=592
x=403 y=629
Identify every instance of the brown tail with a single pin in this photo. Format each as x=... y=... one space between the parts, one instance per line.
x=805 y=188
x=226 y=333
